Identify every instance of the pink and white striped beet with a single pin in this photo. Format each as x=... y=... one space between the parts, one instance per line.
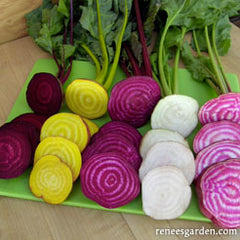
x=224 y=107
x=113 y=142
x=217 y=152
x=218 y=191
x=121 y=128
x=109 y=180
x=215 y=132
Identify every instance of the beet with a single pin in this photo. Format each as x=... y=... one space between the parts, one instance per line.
x=123 y=129
x=218 y=190
x=36 y=119
x=112 y=142
x=215 y=132
x=109 y=180
x=217 y=152
x=15 y=153
x=132 y=100
x=44 y=94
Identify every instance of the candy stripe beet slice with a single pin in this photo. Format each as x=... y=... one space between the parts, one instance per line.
x=215 y=132
x=109 y=180
x=36 y=119
x=121 y=128
x=15 y=153
x=113 y=142
x=133 y=99
x=218 y=191
x=166 y=193
x=224 y=107
x=214 y=153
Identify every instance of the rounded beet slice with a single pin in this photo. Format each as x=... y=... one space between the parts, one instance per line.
x=36 y=119
x=121 y=128
x=15 y=153
x=132 y=100
x=218 y=190
x=112 y=142
x=44 y=94
x=109 y=180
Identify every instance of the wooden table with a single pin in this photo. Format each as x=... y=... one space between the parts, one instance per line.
x=28 y=220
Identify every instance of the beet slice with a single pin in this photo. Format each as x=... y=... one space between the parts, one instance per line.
x=132 y=100
x=36 y=119
x=28 y=129
x=109 y=180
x=215 y=132
x=218 y=190
x=44 y=94
x=121 y=128
x=15 y=153
x=217 y=152
x=224 y=107
x=112 y=142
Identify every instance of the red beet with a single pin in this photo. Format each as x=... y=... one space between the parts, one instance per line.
x=218 y=190
x=15 y=153
x=109 y=180
x=44 y=94
x=36 y=119
x=121 y=128
x=132 y=100
x=112 y=142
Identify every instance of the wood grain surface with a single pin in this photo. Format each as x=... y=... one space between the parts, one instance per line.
x=29 y=220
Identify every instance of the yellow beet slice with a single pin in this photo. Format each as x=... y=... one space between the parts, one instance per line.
x=92 y=127
x=87 y=98
x=51 y=180
x=68 y=125
x=67 y=151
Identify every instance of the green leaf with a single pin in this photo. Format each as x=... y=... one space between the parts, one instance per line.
x=64 y=7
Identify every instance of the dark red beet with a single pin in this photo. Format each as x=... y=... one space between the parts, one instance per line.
x=123 y=129
x=115 y=143
x=15 y=153
x=109 y=180
x=28 y=129
x=36 y=119
x=44 y=94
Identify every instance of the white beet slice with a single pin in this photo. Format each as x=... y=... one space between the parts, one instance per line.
x=177 y=113
x=166 y=193
x=158 y=135
x=169 y=154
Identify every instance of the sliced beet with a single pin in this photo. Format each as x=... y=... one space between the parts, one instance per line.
x=44 y=94
x=109 y=180
x=133 y=99
x=121 y=128
x=215 y=132
x=36 y=119
x=15 y=153
x=217 y=152
x=218 y=190
x=115 y=143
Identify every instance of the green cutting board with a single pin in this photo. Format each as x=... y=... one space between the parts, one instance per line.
x=18 y=187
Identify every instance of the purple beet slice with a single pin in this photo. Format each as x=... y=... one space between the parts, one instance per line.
x=216 y=152
x=109 y=180
x=15 y=153
x=44 y=94
x=121 y=128
x=36 y=119
x=112 y=142
x=218 y=190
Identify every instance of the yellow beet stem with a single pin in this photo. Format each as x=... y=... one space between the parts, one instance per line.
x=51 y=180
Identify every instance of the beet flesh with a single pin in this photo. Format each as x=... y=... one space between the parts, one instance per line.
x=44 y=94
x=132 y=100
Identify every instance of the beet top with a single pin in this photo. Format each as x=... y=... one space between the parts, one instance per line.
x=44 y=94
